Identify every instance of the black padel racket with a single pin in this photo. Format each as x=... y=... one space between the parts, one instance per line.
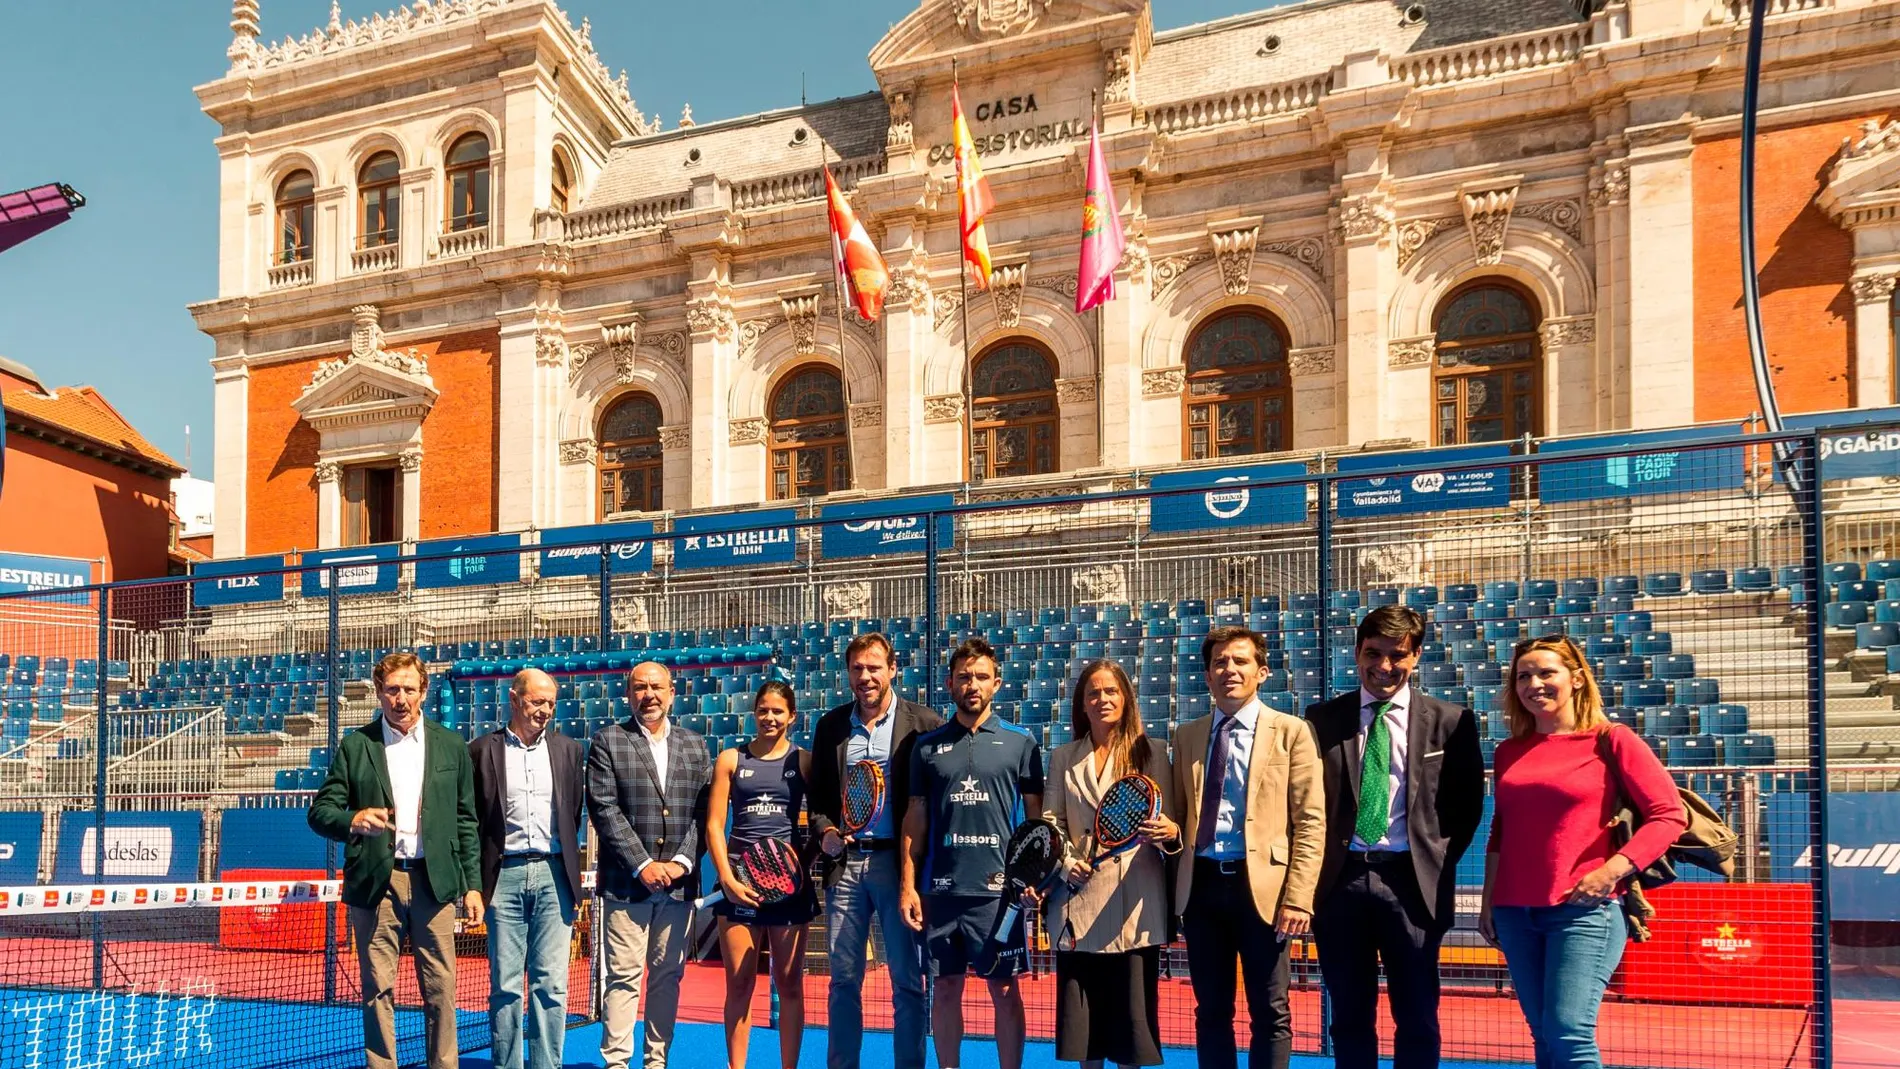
x=863 y=791
x=770 y=867
x=1030 y=862
x=1128 y=803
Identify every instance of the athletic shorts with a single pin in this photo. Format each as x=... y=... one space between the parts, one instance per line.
x=956 y=929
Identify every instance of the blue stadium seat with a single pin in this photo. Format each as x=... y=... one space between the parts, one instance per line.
x=1600 y=646
x=1306 y=600
x=1698 y=692
x=1755 y=580
x=1379 y=597
x=1692 y=751
x=1540 y=588
x=1530 y=608
x=1491 y=609
x=1840 y=572
x=1671 y=665
x=1116 y=613
x=1469 y=650
x=1487 y=699
x=1662 y=584
x=1036 y=712
x=1631 y=623
x=1164 y=627
x=1505 y=631
x=1749 y=749
x=1483 y=674
x=1457 y=630
x=1344 y=599
x=1722 y=719
x=1154 y=683
x=1882 y=570
x=1585 y=586
x=1614 y=604
x=1421 y=597
x=1644 y=693
x=1573 y=606
x=1277 y=681
x=1438 y=677
x=1629 y=718
x=1859 y=590
x=1876 y=636
x=1845 y=614
x=1668 y=721
x=1501 y=590
x=1709 y=581
x=1463 y=593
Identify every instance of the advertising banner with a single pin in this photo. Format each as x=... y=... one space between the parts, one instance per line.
x=1232 y=500
x=269 y=838
x=572 y=551
x=1422 y=489
x=360 y=570
x=19 y=848
x=25 y=573
x=475 y=565
x=1667 y=471
x=1863 y=860
x=734 y=539
x=139 y=846
x=1861 y=443
x=236 y=582
x=876 y=527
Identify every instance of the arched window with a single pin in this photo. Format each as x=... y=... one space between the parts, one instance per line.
x=809 y=456
x=468 y=183
x=378 y=193
x=560 y=196
x=630 y=456
x=1486 y=380
x=1013 y=412
x=296 y=216
x=1238 y=400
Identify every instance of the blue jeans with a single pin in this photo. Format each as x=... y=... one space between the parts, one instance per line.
x=1561 y=959
x=529 y=921
x=867 y=885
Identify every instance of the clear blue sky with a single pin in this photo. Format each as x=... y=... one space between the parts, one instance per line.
x=98 y=95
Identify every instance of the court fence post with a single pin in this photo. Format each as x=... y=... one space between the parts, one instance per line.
x=607 y=598
x=102 y=739
x=1813 y=551
x=333 y=679
x=1324 y=583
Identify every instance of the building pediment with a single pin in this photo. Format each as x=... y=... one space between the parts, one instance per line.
x=1863 y=187
x=939 y=29
x=372 y=385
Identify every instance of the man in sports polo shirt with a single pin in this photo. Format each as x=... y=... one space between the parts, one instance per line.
x=971 y=781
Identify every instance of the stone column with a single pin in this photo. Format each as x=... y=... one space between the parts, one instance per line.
x=231 y=422
x=909 y=341
x=1313 y=419
x=713 y=353
x=1570 y=347
x=1873 y=339
x=1661 y=264
x=1609 y=202
x=411 y=464
x=330 y=250
x=579 y=478
x=420 y=215
x=1365 y=226
x=518 y=423
x=527 y=134
x=1123 y=321
x=330 y=504
x=676 y=461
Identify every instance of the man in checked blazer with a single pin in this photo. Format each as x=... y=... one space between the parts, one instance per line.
x=1388 y=886
x=646 y=794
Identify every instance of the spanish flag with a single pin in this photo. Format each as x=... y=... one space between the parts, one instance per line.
x=859 y=264
x=973 y=195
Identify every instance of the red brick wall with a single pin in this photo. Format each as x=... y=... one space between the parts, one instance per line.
x=460 y=441
x=1804 y=261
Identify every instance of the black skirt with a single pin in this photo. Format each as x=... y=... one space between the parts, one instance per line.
x=1106 y=1007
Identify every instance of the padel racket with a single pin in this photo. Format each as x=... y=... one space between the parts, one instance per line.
x=1128 y=803
x=863 y=790
x=769 y=867
x=1030 y=862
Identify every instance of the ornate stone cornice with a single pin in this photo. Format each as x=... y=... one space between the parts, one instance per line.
x=366 y=347
x=749 y=430
x=1317 y=360
x=1076 y=390
x=1874 y=289
x=1006 y=293
x=1163 y=381
x=679 y=436
x=943 y=408
x=1410 y=352
x=1233 y=250
x=623 y=330
x=897 y=136
x=1576 y=330
x=948 y=305
x=1875 y=136
x=1118 y=76
x=910 y=283
x=579 y=451
x=1488 y=215
x=1063 y=284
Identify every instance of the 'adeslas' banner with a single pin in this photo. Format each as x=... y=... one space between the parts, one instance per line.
x=569 y=551
x=869 y=528
x=476 y=562
x=139 y=846
x=1856 y=444
x=1669 y=471
x=734 y=539
x=360 y=570
x=1422 y=489
x=237 y=582
x=23 y=573
x=19 y=848
x=1234 y=498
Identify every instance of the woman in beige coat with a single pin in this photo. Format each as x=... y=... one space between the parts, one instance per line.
x=1109 y=922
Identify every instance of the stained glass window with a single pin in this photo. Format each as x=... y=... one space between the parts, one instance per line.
x=1013 y=418
x=807 y=442
x=632 y=464
x=1486 y=377
x=1238 y=395
x=296 y=217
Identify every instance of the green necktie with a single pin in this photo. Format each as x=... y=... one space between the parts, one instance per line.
x=1375 y=793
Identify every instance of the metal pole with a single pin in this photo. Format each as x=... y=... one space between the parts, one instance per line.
x=930 y=606
x=1325 y=583
x=102 y=739
x=1817 y=742
x=1751 y=283
x=607 y=595
x=844 y=373
x=963 y=313
x=332 y=713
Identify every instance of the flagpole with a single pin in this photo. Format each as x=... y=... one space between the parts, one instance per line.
x=1114 y=213
x=844 y=372
x=963 y=310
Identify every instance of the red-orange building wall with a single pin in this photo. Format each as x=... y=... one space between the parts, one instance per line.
x=460 y=444
x=1804 y=259
x=61 y=503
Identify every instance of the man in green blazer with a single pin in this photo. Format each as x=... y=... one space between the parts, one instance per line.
x=400 y=796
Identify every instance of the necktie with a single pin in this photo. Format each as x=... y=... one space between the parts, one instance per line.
x=1375 y=792
x=1211 y=785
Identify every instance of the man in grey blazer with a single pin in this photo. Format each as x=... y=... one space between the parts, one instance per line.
x=646 y=793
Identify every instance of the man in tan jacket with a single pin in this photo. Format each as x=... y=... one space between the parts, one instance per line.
x=1252 y=789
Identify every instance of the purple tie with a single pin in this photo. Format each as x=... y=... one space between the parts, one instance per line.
x=1211 y=785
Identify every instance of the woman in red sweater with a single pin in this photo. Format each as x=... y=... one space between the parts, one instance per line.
x=1550 y=878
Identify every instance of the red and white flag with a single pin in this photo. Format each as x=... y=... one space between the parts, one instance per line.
x=859 y=265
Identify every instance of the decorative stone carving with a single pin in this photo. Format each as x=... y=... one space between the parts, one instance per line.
x=670 y=344
x=987 y=19
x=1414 y=233
x=898 y=135
x=410 y=460
x=1066 y=285
x=1875 y=136
x=1612 y=186
x=366 y=347
x=943 y=408
x=243 y=48
x=1163 y=381
x=1488 y=215
x=948 y=305
x=579 y=451
x=1170 y=268
x=1364 y=218
x=1234 y=250
x=1118 y=85
x=1314 y=361
x=749 y=430
x=1874 y=289
x=1565 y=215
x=550 y=349
x=847 y=600
x=1410 y=352
x=1578 y=330
x=329 y=471
x=623 y=330
x=1309 y=253
x=867 y=415
x=1075 y=391
x=801 y=311
x=753 y=331
x=910 y=283
x=678 y=437
x=1006 y=290
x=630 y=615
x=710 y=317
x=1396 y=564
x=1100 y=583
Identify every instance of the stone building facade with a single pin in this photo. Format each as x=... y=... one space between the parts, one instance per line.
x=466 y=285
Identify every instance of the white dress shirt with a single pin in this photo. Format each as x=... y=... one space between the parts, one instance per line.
x=1230 y=821
x=1398 y=719
x=405 y=752
x=659 y=744
x=528 y=808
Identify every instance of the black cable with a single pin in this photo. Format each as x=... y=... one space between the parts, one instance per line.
x=1751 y=283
